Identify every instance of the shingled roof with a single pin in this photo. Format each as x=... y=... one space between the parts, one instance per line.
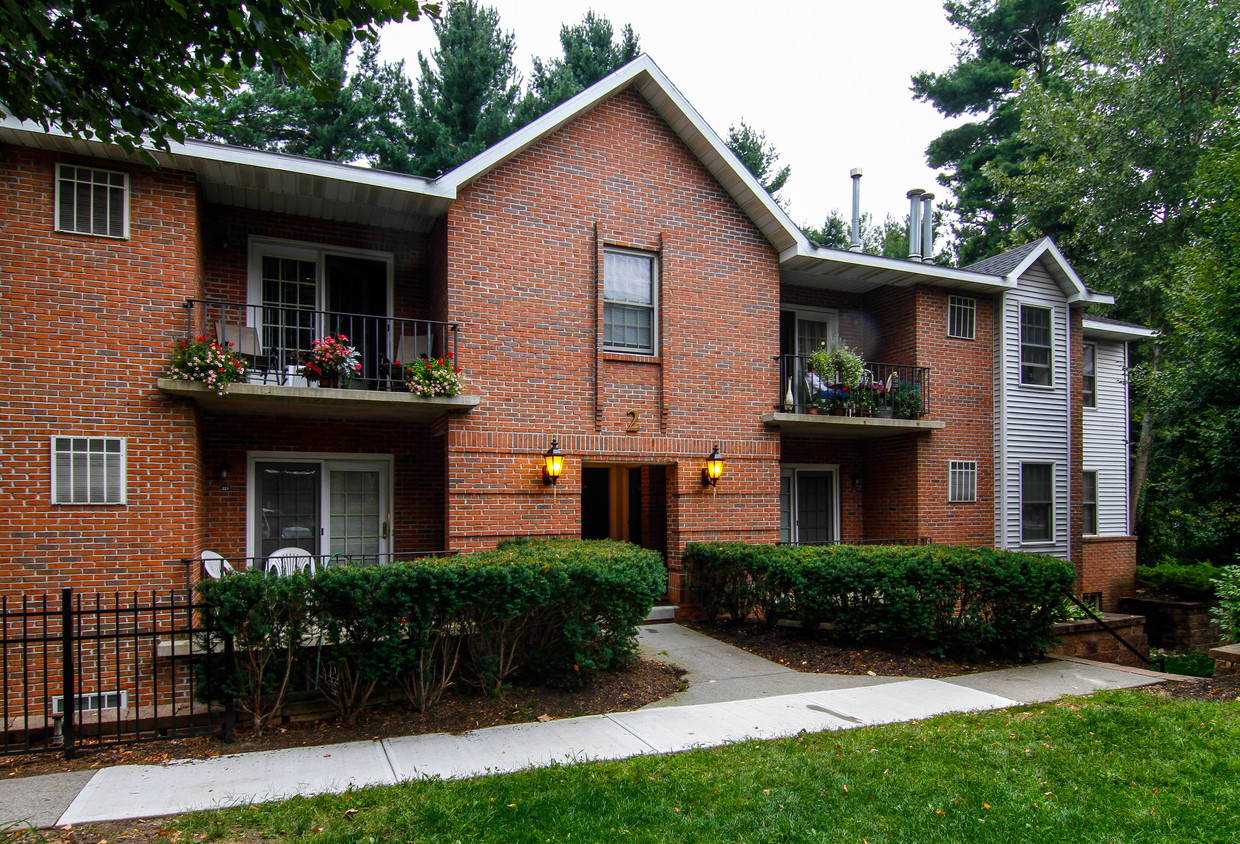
x=1003 y=263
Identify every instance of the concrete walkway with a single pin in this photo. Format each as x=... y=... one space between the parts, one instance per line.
x=732 y=695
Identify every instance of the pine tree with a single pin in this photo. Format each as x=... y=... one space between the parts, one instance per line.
x=467 y=90
x=1005 y=38
x=590 y=52
x=759 y=157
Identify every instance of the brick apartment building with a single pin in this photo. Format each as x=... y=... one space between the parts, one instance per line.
x=609 y=277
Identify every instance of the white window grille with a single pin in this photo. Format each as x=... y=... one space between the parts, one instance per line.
x=1037 y=514
x=629 y=301
x=93 y=702
x=88 y=470
x=962 y=481
x=961 y=317
x=90 y=201
x=1035 y=346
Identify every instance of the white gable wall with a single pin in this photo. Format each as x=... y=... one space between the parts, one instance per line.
x=1105 y=440
x=1032 y=422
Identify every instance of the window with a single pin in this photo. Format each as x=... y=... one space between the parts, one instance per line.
x=92 y=201
x=807 y=507
x=962 y=481
x=1089 y=506
x=1035 y=346
x=1089 y=380
x=628 y=301
x=88 y=470
x=1036 y=505
x=961 y=317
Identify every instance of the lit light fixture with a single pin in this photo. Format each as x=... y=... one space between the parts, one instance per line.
x=223 y=472
x=714 y=468
x=553 y=465
x=855 y=477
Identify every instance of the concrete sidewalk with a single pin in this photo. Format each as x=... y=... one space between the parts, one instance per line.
x=732 y=695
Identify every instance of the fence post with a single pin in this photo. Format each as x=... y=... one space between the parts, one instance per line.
x=230 y=700
x=70 y=694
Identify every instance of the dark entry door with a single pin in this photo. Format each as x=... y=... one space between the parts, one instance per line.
x=357 y=299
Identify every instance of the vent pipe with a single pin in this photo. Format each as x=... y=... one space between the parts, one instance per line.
x=854 y=241
x=927 y=227
x=914 y=224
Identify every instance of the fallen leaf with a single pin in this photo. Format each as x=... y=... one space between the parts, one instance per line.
x=544 y=718
x=348 y=813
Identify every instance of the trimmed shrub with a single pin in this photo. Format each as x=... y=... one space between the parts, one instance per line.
x=934 y=597
x=267 y=618
x=554 y=611
x=1180 y=581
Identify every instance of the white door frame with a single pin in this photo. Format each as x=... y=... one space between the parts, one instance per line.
x=327 y=461
x=790 y=470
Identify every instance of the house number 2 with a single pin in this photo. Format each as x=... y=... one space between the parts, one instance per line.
x=633 y=427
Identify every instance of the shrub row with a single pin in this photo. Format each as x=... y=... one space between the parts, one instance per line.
x=1180 y=581
x=550 y=611
x=934 y=597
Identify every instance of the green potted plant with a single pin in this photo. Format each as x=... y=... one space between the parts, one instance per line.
x=434 y=377
x=848 y=365
x=906 y=400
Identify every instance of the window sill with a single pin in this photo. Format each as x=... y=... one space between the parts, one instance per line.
x=1045 y=388
x=627 y=357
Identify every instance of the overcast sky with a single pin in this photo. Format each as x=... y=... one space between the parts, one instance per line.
x=827 y=81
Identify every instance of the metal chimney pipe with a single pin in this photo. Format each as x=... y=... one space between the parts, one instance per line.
x=914 y=224
x=854 y=244
x=927 y=227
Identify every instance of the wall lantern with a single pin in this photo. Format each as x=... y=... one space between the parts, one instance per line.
x=855 y=477
x=714 y=468
x=223 y=472
x=553 y=465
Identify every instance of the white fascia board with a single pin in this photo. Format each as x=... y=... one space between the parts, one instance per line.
x=917 y=270
x=1094 y=329
x=641 y=73
x=180 y=154
x=1079 y=294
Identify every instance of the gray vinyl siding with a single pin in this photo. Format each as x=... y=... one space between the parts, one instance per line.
x=1033 y=426
x=1105 y=437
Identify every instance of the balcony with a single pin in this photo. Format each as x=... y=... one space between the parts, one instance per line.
x=891 y=400
x=274 y=342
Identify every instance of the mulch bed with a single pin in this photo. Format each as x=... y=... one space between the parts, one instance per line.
x=804 y=651
x=458 y=711
x=1222 y=689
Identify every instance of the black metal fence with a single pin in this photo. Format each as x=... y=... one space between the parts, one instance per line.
x=886 y=389
x=91 y=671
x=274 y=340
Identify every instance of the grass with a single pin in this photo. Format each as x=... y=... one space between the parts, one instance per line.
x=1115 y=767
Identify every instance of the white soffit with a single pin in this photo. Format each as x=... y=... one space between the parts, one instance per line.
x=1100 y=329
x=856 y=272
x=273 y=182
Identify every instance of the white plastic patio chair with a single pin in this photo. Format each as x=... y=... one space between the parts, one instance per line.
x=285 y=561
x=214 y=566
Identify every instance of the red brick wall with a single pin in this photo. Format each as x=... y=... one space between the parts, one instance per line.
x=1109 y=565
x=961 y=394
x=524 y=256
x=91 y=323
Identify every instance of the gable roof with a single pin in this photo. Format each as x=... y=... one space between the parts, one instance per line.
x=1013 y=263
x=1105 y=328
x=644 y=76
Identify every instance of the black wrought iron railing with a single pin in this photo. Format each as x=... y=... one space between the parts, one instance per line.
x=886 y=389
x=916 y=540
x=94 y=670
x=275 y=341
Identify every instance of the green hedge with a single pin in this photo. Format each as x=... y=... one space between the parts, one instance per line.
x=1180 y=581
x=551 y=611
x=933 y=597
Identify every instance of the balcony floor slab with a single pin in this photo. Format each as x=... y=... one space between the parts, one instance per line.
x=321 y=402
x=846 y=427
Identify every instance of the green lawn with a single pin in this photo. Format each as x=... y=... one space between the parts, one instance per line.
x=1115 y=767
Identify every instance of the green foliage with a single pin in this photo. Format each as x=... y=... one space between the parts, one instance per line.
x=1180 y=582
x=889 y=239
x=759 y=157
x=1003 y=39
x=123 y=72
x=553 y=611
x=1194 y=664
x=1227 y=586
x=364 y=119
x=267 y=618
x=940 y=598
x=590 y=52
x=467 y=89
